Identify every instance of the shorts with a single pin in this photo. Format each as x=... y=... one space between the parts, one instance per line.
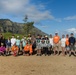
x=63 y=45
x=56 y=45
x=72 y=47
x=75 y=47
x=8 y=46
x=38 y=47
x=26 y=52
x=51 y=47
x=18 y=46
x=67 y=47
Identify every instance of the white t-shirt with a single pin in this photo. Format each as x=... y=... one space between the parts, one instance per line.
x=51 y=41
x=63 y=40
x=13 y=41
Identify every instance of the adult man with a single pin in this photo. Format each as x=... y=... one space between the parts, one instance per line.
x=67 y=43
x=56 y=40
x=38 y=45
x=51 y=42
x=72 y=44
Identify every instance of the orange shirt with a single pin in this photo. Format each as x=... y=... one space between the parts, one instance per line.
x=15 y=48
x=67 y=41
x=56 y=39
x=28 y=48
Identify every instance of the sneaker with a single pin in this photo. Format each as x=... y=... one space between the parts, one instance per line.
x=36 y=54
x=69 y=55
x=40 y=55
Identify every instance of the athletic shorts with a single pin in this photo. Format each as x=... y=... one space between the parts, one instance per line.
x=67 y=47
x=72 y=47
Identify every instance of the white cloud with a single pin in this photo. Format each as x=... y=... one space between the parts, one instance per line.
x=44 y=26
x=70 y=18
x=71 y=30
x=25 y=7
x=13 y=6
x=58 y=20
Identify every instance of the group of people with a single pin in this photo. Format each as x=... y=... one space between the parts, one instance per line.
x=15 y=46
x=57 y=45
x=39 y=45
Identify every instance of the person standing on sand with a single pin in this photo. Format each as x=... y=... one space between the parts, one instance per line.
x=67 y=43
x=3 y=40
x=51 y=42
x=8 y=46
x=13 y=40
x=23 y=42
x=56 y=40
x=29 y=37
x=72 y=44
x=0 y=38
x=18 y=43
x=63 y=44
x=38 y=45
x=44 y=47
x=33 y=41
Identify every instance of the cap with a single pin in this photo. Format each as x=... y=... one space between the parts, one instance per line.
x=56 y=32
x=17 y=36
x=46 y=36
x=71 y=33
x=24 y=37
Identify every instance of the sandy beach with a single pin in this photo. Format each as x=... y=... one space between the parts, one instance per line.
x=38 y=65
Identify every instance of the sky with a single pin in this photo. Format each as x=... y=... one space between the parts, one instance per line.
x=50 y=16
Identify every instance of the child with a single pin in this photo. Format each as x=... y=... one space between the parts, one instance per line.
x=28 y=49
x=15 y=49
x=2 y=49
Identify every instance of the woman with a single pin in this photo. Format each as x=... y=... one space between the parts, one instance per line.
x=18 y=43
x=23 y=42
x=63 y=44
x=8 y=46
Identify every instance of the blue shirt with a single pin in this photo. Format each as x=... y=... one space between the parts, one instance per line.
x=72 y=41
x=18 y=42
x=8 y=42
